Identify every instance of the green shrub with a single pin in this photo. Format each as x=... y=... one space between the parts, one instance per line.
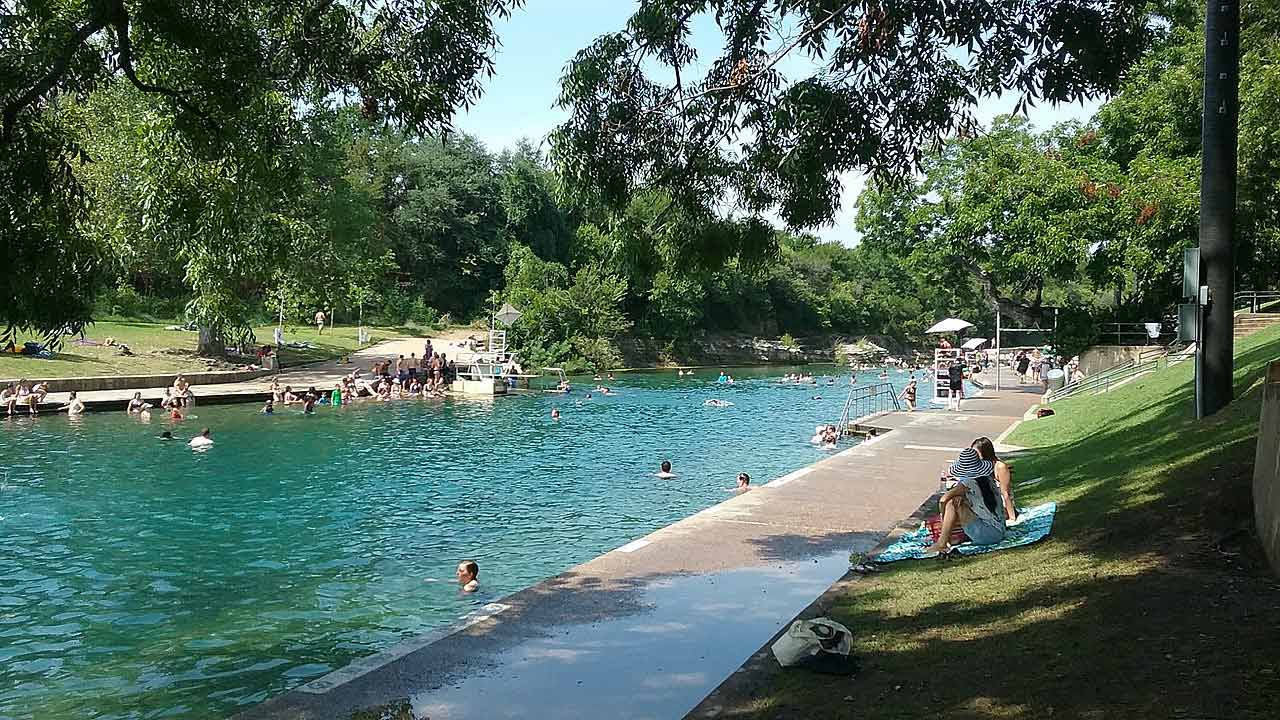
x=788 y=342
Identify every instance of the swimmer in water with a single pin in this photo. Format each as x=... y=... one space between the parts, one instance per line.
x=664 y=472
x=270 y=407
x=744 y=482
x=136 y=405
x=715 y=402
x=201 y=441
x=468 y=575
x=555 y=413
x=74 y=406
x=166 y=435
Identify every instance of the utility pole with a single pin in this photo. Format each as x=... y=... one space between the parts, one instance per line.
x=1218 y=196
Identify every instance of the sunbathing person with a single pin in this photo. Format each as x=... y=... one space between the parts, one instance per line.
x=974 y=504
x=1004 y=476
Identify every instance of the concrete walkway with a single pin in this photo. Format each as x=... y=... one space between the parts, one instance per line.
x=321 y=375
x=649 y=629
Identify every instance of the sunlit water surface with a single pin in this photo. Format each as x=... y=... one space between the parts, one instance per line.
x=140 y=579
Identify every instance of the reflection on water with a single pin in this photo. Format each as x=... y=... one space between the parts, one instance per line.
x=140 y=578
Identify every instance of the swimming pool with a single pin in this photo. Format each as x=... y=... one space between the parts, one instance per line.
x=141 y=579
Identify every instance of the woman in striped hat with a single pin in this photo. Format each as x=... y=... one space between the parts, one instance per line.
x=975 y=503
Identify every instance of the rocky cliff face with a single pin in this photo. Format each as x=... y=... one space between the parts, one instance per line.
x=735 y=350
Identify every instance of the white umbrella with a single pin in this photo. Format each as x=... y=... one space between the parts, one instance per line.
x=950 y=325
x=974 y=344
x=506 y=314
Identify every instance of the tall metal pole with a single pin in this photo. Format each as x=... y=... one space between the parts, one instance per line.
x=1218 y=195
x=997 y=346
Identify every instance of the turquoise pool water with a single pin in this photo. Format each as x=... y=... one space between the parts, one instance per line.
x=140 y=579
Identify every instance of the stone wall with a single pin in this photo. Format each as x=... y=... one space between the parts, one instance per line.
x=1266 y=469
x=140 y=382
x=1097 y=358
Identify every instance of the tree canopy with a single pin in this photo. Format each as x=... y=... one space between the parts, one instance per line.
x=218 y=84
x=889 y=80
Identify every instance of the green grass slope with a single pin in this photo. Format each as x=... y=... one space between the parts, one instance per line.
x=1151 y=598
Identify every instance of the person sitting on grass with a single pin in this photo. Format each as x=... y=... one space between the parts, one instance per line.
x=974 y=504
x=1004 y=476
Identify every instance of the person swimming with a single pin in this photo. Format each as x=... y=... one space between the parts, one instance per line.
x=744 y=482
x=716 y=402
x=664 y=471
x=555 y=413
x=201 y=441
x=166 y=435
x=468 y=575
x=270 y=407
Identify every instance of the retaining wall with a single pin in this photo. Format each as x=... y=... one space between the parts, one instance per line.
x=1097 y=358
x=1266 y=468
x=141 y=382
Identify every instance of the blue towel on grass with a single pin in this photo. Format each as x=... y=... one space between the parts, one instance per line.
x=1036 y=524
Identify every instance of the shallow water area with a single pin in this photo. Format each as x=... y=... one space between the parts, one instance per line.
x=142 y=579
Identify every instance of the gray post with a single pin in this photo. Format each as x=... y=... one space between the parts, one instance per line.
x=1218 y=194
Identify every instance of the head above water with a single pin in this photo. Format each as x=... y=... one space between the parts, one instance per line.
x=666 y=466
x=166 y=435
x=468 y=570
x=744 y=479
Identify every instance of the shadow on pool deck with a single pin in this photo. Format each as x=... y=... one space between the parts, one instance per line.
x=646 y=631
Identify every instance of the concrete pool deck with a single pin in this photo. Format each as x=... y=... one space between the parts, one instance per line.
x=651 y=628
x=322 y=375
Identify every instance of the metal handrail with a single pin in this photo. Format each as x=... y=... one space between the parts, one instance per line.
x=1256 y=300
x=1104 y=381
x=867 y=400
x=1140 y=330
x=1091 y=381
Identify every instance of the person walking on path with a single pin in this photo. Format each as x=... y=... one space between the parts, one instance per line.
x=320 y=318
x=955 y=378
x=909 y=395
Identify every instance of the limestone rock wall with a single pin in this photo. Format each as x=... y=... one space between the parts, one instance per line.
x=1266 y=469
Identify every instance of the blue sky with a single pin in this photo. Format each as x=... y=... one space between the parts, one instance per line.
x=539 y=39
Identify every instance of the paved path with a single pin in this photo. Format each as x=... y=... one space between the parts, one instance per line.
x=649 y=629
x=321 y=375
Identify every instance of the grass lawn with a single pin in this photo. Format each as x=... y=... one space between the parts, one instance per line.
x=160 y=351
x=1150 y=599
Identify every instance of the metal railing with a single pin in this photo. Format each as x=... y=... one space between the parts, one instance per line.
x=867 y=400
x=1135 y=332
x=1257 y=301
x=1104 y=381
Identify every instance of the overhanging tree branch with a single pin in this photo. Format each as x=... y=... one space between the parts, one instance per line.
x=126 y=64
x=51 y=78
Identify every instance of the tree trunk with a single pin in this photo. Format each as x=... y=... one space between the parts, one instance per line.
x=211 y=343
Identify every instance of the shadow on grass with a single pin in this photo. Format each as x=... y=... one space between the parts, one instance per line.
x=1151 y=599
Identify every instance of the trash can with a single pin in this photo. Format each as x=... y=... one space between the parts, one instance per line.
x=1057 y=378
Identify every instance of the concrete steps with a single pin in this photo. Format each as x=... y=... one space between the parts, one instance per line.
x=1250 y=323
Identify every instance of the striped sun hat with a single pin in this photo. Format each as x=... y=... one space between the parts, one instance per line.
x=969 y=465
